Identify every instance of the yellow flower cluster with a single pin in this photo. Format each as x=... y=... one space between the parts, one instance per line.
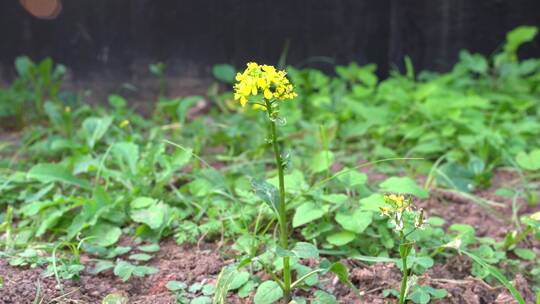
x=262 y=79
x=398 y=202
x=396 y=206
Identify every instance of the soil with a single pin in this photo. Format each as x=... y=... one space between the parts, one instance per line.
x=203 y=264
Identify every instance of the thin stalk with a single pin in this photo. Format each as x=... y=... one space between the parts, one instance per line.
x=283 y=229
x=405 y=272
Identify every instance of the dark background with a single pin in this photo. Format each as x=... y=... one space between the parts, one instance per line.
x=117 y=39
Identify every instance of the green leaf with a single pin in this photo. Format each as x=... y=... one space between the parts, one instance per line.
x=201 y=300
x=307 y=212
x=419 y=295
x=93 y=129
x=48 y=173
x=228 y=277
x=295 y=181
x=530 y=161
x=101 y=266
x=124 y=270
x=142 y=202
x=117 y=101
x=517 y=37
x=126 y=153
x=322 y=297
x=208 y=289
x=176 y=285
x=115 y=298
x=372 y=203
x=103 y=234
x=149 y=248
x=356 y=221
x=153 y=217
x=321 y=161
x=404 y=185
x=224 y=73
x=340 y=271
x=141 y=257
x=341 y=238
x=525 y=254
x=23 y=66
x=246 y=290
x=141 y=271
x=268 y=292
x=305 y=250
x=238 y=280
x=267 y=193
x=351 y=177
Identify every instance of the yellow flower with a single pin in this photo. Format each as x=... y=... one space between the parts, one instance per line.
x=124 y=123
x=265 y=79
x=385 y=211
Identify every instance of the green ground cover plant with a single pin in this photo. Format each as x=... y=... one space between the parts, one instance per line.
x=299 y=188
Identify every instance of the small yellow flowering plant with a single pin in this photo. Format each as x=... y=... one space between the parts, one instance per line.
x=398 y=208
x=264 y=87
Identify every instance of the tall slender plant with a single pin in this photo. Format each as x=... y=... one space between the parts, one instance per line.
x=264 y=87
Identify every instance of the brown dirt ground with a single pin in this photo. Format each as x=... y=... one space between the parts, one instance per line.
x=203 y=264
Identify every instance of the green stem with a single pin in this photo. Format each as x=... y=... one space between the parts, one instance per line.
x=405 y=272
x=282 y=212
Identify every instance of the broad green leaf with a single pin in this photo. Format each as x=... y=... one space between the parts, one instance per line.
x=307 y=212
x=201 y=300
x=268 y=292
x=295 y=182
x=341 y=238
x=103 y=234
x=23 y=66
x=93 y=129
x=351 y=177
x=356 y=221
x=149 y=248
x=321 y=161
x=322 y=297
x=246 y=290
x=175 y=285
x=48 y=173
x=115 y=298
x=419 y=295
x=238 y=280
x=141 y=257
x=127 y=153
x=267 y=192
x=529 y=161
x=227 y=277
x=526 y=254
x=117 y=101
x=142 y=202
x=141 y=271
x=305 y=250
x=101 y=266
x=372 y=203
x=302 y=270
x=404 y=185
x=123 y=270
x=208 y=289
x=224 y=73
x=336 y=199
x=154 y=216
x=517 y=37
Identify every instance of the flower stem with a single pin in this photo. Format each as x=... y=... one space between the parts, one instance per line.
x=405 y=272
x=282 y=212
